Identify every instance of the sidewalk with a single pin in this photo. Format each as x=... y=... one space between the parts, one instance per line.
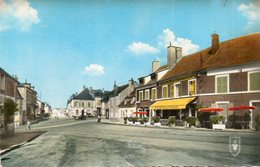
x=114 y=122
x=9 y=143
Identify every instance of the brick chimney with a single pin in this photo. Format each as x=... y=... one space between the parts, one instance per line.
x=214 y=43
x=155 y=65
x=174 y=54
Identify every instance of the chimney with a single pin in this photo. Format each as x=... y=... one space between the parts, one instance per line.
x=115 y=88
x=131 y=82
x=174 y=54
x=155 y=65
x=214 y=43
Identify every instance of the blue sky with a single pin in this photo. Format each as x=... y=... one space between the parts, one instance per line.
x=59 y=45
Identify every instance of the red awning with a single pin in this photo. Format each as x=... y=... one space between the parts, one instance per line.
x=210 y=109
x=242 y=108
x=140 y=112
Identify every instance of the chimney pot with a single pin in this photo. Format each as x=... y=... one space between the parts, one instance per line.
x=174 y=54
x=214 y=43
x=155 y=65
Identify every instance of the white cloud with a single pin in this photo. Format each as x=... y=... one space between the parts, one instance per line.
x=140 y=48
x=17 y=14
x=94 y=69
x=168 y=37
x=252 y=12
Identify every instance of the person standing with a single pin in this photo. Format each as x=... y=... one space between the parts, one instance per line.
x=28 y=123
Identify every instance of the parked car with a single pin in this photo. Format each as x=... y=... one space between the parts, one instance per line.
x=80 y=117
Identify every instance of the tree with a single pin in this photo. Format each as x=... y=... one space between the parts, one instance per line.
x=9 y=109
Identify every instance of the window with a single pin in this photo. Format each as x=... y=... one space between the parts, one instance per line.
x=165 y=91
x=192 y=87
x=154 y=93
x=75 y=104
x=172 y=90
x=140 y=95
x=222 y=84
x=89 y=105
x=254 y=81
x=177 y=89
x=146 y=94
x=82 y=104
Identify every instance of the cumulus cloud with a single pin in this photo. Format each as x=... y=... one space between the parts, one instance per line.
x=94 y=69
x=168 y=37
x=17 y=14
x=140 y=48
x=252 y=12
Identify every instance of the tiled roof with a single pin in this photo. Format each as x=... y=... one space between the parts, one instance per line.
x=238 y=51
x=84 y=95
x=164 y=67
x=128 y=102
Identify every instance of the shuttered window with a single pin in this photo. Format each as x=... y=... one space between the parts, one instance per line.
x=254 y=79
x=222 y=84
x=154 y=93
x=165 y=91
x=172 y=90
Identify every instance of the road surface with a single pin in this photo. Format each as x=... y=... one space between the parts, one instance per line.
x=88 y=143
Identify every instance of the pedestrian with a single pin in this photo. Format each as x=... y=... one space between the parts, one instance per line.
x=28 y=123
x=99 y=118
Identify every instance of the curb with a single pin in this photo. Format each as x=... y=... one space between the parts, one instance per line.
x=186 y=129
x=13 y=147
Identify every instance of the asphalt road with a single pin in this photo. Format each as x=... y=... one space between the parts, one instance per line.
x=88 y=143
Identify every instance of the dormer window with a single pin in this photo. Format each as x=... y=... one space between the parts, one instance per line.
x=153 y=76
x=141 y=80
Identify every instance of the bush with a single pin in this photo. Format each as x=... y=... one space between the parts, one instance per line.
x=221 y=119
x=135 y=119
x=171 y=120
x=145 y=119
x=213 y=119
x=130 y=119
x=141 y=120
x=156 y=119
x=191 y=121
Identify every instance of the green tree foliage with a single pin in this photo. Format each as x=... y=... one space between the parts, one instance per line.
x=10 y=107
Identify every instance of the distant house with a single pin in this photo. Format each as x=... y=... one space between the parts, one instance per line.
x=112 y=100
x=29 y=103
x=8 y=89
x=87 y=102
x=127 y=106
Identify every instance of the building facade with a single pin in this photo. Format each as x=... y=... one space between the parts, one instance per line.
x=87 y=102
x=223 y=75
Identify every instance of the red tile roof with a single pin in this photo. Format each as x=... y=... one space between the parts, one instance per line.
x=238 y=51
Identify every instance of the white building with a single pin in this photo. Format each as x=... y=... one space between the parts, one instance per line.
x=128 y=107
x=114 y=98
x=87 y=102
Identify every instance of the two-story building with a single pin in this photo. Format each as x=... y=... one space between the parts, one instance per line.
x=115 y=97
x=223 y=75
x=147 y=92
x=29 y=103
x=127 y=108
x=8 y=89
x=87 y=102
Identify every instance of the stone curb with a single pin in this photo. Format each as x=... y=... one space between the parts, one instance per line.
x=13 y=147
x=182 y=128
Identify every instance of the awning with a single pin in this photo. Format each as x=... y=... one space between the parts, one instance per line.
x=171 y=104
x=210 y=109
x=140 y=112
x=242 y=108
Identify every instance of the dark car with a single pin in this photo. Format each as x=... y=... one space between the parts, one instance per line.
x=80 y=117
